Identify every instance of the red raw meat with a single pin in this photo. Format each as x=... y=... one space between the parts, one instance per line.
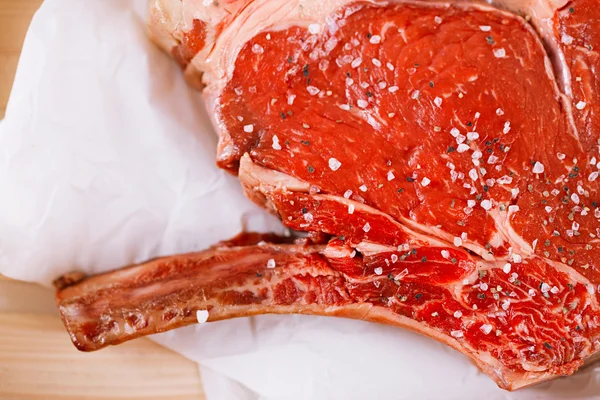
x=443 y=157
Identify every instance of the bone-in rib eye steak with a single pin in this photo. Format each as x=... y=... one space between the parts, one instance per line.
x=443 y=158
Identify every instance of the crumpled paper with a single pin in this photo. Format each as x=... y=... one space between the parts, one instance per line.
x=108 y=158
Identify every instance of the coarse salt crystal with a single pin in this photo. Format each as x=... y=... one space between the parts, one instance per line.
x=575 y=198
x=356 y=62
x=548 y=209
x=375 y=39
x=457 y=241
x=560 y=156
x=531 y=292
x=499 y=53
x=425 y=181
x=334 y=164
x=248 y=128
x=257 y=49
x=393 y=89
x=313 y=90
x=308 y=217
x=471 y=203
x=345 y=107
x=347 y=194
x=513 y=208
x=538 y=168
x=201 y=316
x=349 y=81
x=382 y=85
x=476 y=154
x=271 y=263
x=580 y=105
x=457 y=334
x=390 y=176
x=472 y=135
x=438 y=101
x=566 y=39
x=445 y=254
x=394 y=258
x=291 y=99
x=350 y=208
x=366 y=227
x=457 y=314
x=363 y=188
x=378 y=270
x=554 y=290
x=462 y=148
x=473 y=174
x=593 y=176
x=486 y=204
x=506 y=268
x=437 y=19
x=485 y=28
x=415 y=94
x=516 y=258
x=390 y=66
x=376 y=62
x=499 y=111
x=545 y=288
x=486 y=328
x=362 y=103
x=506 y=127
x=276 y=145
x=454 y=132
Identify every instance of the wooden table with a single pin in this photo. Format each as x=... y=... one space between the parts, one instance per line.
x=37 y=359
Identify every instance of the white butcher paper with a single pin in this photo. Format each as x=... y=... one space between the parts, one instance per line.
x=107 y=158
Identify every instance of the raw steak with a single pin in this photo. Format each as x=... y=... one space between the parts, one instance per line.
x=443 y=158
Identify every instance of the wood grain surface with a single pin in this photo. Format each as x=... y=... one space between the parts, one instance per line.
x=37 y=359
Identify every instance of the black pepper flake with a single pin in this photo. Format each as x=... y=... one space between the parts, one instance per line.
x=431 y=84
x=570 y=285
x=424 y=259
x=348 y=74
x=311 y=169
x=490 y=40
x=368 y=35
x=287 y=142
x=496 y=140
x=290 y=60
x=578 y=328
x=481 y=295
x=482 y=273
x=290 y=113
x=479 y=197
x=453 y=259
x=571 y=10
x=573 y=175
x=258 y=275
x=417 y=65
x=517 y=282
x=390 y=277
x=400 y=190
x=342 y=238
x=560 y=249
x=305 y=70
x=488 y=143
x=486 y=188
x=547 y=242
x=413 y=251
x=409 y=179
x=418 y=296
x=450 y=149
x=304 y=210
x=547 y=345
x=305 y=142
x=283 y=116
x=530 y=187
x=369 y=94
x=594 y=204
x=469 y=123
x=489 y=150
x=488 y=246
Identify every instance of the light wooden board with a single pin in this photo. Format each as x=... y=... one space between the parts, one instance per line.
x=37 y=359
